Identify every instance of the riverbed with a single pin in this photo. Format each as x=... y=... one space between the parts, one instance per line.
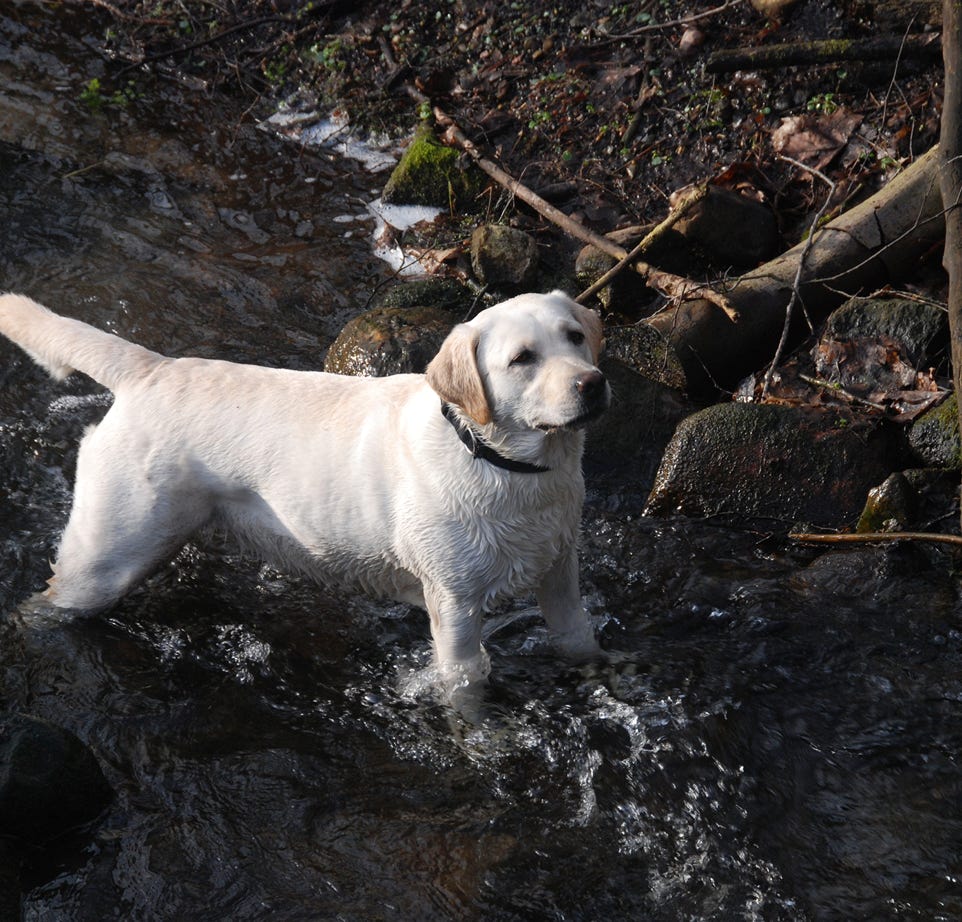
x=775 y=734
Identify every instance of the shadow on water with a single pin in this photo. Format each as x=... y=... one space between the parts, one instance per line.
x=775 y=735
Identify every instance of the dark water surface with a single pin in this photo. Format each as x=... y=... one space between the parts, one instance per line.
x=778 y=735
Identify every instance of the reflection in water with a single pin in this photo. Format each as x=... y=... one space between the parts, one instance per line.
x=775 y=735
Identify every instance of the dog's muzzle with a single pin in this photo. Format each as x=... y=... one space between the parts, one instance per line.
x=594 y=395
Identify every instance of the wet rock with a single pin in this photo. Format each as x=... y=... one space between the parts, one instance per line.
x=50 y=782
x=504 y=258
x=730 y=229
x=628 y=441
x=643 y=349
x=880 y=343
x=431 y=174
x=934 y=436
x=775 y=462
x=389 y=341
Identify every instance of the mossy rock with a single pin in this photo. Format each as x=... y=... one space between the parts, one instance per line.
x=934 y=436
x=431 y=174
x=890 y=506
x=389 y=341
x=911 y=500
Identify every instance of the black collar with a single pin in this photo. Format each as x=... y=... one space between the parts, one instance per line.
x=481 y=449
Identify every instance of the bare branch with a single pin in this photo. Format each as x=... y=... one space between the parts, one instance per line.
x=797 y=281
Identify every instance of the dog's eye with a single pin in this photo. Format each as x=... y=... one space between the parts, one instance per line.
x=576 y=337
x=524 y=357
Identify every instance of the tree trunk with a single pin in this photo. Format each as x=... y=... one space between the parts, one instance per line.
x=950 y=177
x=878 y=241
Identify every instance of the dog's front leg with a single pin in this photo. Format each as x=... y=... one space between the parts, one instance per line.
x=560 y=599
x=456 y=631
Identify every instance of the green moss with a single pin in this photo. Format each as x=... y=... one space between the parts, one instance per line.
x=431 y=174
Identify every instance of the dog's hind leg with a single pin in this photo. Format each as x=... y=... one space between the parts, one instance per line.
x=124 y=523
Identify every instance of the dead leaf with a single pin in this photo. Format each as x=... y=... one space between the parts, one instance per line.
x=815 y=139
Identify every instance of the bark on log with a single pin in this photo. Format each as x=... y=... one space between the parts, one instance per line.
x=950 y=177
x=878 y=241
x=881 y=48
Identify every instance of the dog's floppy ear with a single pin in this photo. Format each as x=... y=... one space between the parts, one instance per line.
x=454 y=375
x=591 y=323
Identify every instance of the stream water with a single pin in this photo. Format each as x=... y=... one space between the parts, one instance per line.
x=777 y=734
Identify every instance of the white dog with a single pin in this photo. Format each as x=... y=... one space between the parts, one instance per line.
x=448 y=490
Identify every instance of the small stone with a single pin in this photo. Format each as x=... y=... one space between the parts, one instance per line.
x=773 y=9
x=504 y=258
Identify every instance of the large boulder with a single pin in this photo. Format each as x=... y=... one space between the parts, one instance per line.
x=729 y=229
x=765 y=461
x=626 y=444
x=878 y=344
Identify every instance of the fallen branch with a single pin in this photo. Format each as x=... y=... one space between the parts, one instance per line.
x=877 y=241
x=874 y=537
x=769 y=57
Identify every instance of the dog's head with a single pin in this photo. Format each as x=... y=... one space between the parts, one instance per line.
x=527 y=363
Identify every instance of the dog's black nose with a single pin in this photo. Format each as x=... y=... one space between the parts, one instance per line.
x=591 y=384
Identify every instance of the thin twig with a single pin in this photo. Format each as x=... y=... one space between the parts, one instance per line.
x=873 y=537
x=895 y=73
x=841 y=392
x=200 y=43
x=797 y=281
x=659 y=26
x=646 y=242
x=120 y=14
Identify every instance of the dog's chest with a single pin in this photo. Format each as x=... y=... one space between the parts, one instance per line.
x=509 y=546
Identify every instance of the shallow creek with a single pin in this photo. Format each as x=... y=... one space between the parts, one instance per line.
x=777 y=734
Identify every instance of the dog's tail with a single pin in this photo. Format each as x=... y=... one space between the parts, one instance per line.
x=62 y=345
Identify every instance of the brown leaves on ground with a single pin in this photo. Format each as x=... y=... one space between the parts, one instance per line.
x=815 y=139
x=870 y=372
